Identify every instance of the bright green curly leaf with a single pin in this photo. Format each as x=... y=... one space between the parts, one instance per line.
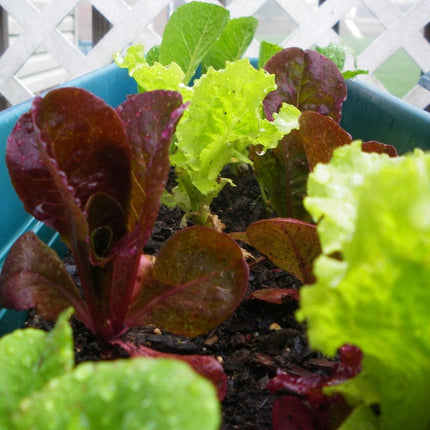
x=225 y=117
x=378 y=297
x=133 y=394
x=29 y=359
x=332 y=193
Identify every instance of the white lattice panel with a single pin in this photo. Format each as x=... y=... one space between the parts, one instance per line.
x=132 y=22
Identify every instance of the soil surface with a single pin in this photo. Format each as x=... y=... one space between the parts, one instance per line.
x=253 y=343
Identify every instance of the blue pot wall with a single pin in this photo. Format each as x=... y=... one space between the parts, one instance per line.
x=368 y=114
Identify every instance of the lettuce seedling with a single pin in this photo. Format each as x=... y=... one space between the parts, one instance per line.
x=42 y=389
x=96 y=175
x=373 y=213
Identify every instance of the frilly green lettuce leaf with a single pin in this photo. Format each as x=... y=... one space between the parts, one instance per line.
x=155 y=76
x=29 y=359
x=332 y=193
x=378 y=297
x=225 y=117
x=132 y=394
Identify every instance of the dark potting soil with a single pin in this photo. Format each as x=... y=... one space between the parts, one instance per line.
x=252 y=344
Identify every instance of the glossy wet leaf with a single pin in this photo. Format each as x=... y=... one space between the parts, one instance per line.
x=307 y=80
x=33 y=276
x=123 y=394
x=291 y=244
x=29 y=358
x=96 y=175
x=70 y=146
x=282 y=173
x=150 y=120
x=385 y=247
x=320 y=136
x=198 y=280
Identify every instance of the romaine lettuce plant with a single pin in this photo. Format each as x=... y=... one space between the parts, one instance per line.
x=96 y=175
x=42 y=389
x=372 y=281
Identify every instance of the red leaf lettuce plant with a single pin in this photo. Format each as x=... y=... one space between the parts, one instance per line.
x=96 y=175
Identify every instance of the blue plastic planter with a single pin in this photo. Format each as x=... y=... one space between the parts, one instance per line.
x=368 y=114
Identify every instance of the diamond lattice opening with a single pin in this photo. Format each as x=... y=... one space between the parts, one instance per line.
x=39 y=4
x=399 y=74
x=14 y=29
x=41 y=72
x=274 y=23
x=359 y=27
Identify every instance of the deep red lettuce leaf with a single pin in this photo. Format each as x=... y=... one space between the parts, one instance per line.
x=308 y=405
x=320 y=136
x=380 y=148
x=314 y=413
x=206 y=366
x=150 y=120
x=282 y=173
x=33 y=276
x=69 y=147
x=198 y=280
x=307 y=80
x=291 y=244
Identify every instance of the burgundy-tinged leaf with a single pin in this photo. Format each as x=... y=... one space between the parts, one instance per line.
x=276 y=296
x=33 y=276
x=283 y=173
x=326 y=412
x=290 y=413
x=291 y=244
x=307 y=80
x=298 y=384
x=198 y=280
x=380 y=148
x=315 y=412
x=206 y=366
x=348 y=366
x=321 y=135
x=150 y=120
x=69 y=147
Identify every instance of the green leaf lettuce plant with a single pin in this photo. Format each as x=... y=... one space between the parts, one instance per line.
x=372 y=281
x=225 y=116
x=41 y=388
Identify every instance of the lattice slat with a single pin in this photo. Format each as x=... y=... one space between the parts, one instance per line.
x=132 y=24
